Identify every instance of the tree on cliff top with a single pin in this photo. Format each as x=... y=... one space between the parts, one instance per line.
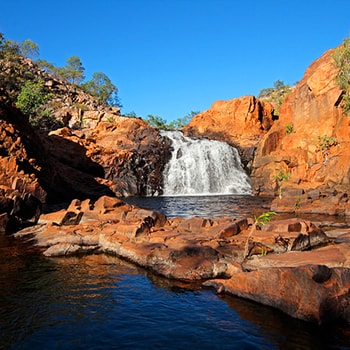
x=13 y=72
x=157 y=122
x=103 y=89
x=73 y=71
x=160 y=123
x=29 y=49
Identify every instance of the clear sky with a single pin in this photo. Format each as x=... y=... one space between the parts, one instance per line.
x=171 y=57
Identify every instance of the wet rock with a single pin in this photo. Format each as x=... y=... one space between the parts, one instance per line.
x=67 y=249
x=311 y=293
x=310 y=284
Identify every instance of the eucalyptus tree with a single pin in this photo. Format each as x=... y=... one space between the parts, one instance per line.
x=103 y=89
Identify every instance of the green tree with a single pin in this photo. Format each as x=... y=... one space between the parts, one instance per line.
x=10 y=49
x=342 y=61
x=279 y=85
x=103 y=89
x=32 y=98
x=29 y=49
x=73 y=71
x=48 y=67
x=13 y=73
x=181 y=122
x=157 y=122
x=131 y=114
x=266 y=92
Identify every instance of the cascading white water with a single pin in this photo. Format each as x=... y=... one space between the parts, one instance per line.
x=203 y=167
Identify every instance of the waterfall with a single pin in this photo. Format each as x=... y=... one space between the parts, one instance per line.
x=203 y=167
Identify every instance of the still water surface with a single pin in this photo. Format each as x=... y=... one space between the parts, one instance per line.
x=101 y=302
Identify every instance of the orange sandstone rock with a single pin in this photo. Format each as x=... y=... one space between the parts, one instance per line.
x=241 y=121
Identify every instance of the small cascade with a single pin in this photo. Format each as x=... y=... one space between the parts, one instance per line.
x=203 y=167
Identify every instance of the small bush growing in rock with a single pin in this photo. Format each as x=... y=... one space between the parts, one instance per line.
x=32 y=97
x=280 y=177
x=289 y=128
x=342 y=61
x=324 y=144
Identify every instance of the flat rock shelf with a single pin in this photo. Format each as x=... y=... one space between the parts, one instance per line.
x=292 y=264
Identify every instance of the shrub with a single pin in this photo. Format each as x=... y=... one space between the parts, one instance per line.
x=280 y=177
x=276 y=95
x=289 y=128
x=342 y=61
x=259 y=222
x=32 y=96
x=324 y=144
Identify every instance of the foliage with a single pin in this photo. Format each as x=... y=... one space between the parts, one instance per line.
x=160 y=123
x=81 y=106
x=280 y=177
x=131 y=114
x=73 y=71
x=103 y=89
x=289 y=128
x=29 y=49
x=13 y=73
x=48 y=67
x=342 y=61
x=157 y=122
x=297 y=203
x=276 y=95
x=259 y=222
x=324 y=144
x=181 y=122
x=32 y=97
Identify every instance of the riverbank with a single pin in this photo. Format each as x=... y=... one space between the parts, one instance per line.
x=292 y=264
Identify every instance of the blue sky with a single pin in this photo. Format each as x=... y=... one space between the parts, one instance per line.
x=171 y=57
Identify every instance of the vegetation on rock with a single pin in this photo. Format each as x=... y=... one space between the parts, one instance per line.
x=103 y=89
x=289 y=128
x=276 y=95
x=26 y=82
x=324 y=144
x=31 y=101
x=342 y=61
x=280 y=177
x=259 y=222
x=161 y=123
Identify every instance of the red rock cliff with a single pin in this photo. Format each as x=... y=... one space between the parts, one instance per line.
x=310 y=141
x=241 y=122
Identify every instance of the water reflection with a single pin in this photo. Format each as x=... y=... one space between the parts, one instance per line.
x=234 y=206
x=204 y=206
x=103 y=302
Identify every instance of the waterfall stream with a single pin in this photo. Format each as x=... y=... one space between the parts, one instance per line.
x=203 y=167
